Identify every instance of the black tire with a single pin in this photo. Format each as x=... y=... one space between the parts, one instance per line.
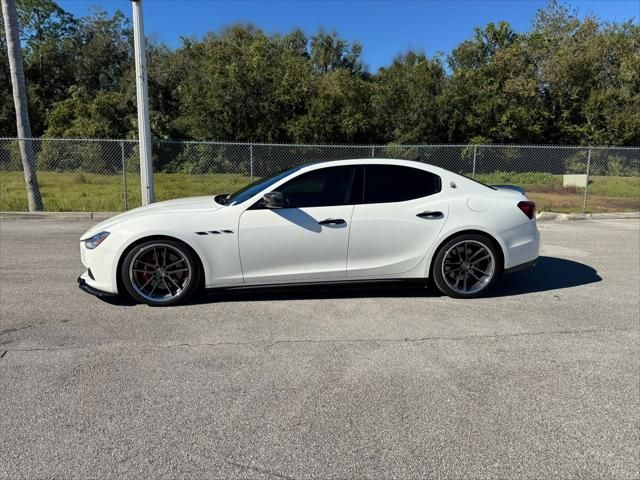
x=465 y=249
x=179 y=281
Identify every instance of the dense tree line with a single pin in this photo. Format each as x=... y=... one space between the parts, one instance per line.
x=566 y=81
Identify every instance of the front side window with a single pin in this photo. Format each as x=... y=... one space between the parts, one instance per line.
x=256 y=187
x=319 y=188
x=394 y=183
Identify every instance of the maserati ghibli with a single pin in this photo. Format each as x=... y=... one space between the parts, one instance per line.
x=346 y=221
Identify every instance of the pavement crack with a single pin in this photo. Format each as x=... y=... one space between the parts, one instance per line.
x=258 y=470
x=396 y=340
x=7 y=331
x=532 y=334
x=267 y=346
x=218 y=344
x=3 y=353
x=46 y=349
x=454 y=338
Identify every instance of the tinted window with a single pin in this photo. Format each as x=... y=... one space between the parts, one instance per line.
x=392 y=183
x=319 y=188
x=256 y=187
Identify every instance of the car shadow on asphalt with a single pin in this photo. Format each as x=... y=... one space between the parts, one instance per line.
x=549 y=273
x=301 y=292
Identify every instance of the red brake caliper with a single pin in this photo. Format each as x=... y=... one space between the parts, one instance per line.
x=145 y=275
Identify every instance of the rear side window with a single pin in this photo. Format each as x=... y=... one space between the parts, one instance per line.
x=394 y=183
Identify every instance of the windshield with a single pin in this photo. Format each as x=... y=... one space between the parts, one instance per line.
x=252 y=189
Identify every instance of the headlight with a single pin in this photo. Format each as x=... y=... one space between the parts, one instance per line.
x=96 y=240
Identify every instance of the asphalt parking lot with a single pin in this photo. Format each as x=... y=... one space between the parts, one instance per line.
x=539 y=381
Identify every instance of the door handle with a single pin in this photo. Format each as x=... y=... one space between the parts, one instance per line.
x=431 y=215
x=332 y=221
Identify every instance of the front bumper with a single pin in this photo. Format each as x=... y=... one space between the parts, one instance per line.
x=84 y=286
x=100 y=262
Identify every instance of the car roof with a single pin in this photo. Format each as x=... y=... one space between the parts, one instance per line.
x=374 y=161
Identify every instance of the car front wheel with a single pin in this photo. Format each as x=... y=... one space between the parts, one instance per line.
x=160 y=272
x=467 y=266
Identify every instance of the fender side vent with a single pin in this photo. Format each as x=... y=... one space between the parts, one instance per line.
x=214 y=232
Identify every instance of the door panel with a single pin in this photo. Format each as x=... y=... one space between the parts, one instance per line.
x=401 y=214
x=391 y=238
x=290 y=245
x=305 y=241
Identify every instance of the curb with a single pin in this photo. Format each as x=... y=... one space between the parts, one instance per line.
x=59 y=215
x=563 y=217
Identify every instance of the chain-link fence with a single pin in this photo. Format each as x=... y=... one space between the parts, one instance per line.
x=103 y=175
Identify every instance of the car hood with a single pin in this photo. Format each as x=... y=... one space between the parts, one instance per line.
x=191 y=204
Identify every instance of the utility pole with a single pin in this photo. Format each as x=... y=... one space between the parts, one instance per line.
x=144 y=130
x=23 y=126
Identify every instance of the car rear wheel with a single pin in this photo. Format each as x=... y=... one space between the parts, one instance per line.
x=467 y=266
x=160 y=272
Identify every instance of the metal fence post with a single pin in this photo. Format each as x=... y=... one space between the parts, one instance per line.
x=373 y=151
x=473 y=169
x=586 y=186
x=251 y=161
x=124 y=175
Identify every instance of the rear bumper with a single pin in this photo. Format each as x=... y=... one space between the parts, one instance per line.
x=522 y=266
x=84 y=286
x=522 y=246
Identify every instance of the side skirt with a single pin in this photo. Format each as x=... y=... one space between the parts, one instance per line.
x=400 y=281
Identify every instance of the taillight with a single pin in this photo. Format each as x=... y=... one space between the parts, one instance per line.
x=528 y=208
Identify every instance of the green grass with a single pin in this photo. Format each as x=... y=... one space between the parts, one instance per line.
x=605 y=194
x=74 y=192
x=93 y=192
x=546 y=182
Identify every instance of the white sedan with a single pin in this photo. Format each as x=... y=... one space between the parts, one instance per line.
x=340 y=221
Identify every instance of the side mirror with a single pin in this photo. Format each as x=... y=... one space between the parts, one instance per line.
x=273 y=200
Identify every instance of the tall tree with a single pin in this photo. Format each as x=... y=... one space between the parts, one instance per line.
x=14 y=53
x=405 y=100
x=570 y=79
x=329 y=52
x=49 y=49
x=492 y=94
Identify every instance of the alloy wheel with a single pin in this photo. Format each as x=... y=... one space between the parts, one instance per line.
x=160 y=272
x=468 y=267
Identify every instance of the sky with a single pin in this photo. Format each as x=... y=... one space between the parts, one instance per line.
x=385 y=28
